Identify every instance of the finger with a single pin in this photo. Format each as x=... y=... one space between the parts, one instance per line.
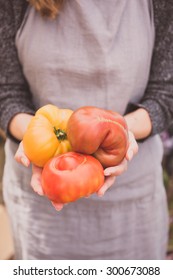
x=108 y=183
x=36 y=180
x=133 y=147
x=116 y=170
x=57 y=206
x=20 y=156
x=131 y=152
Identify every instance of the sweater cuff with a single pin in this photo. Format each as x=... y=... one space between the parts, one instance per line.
x=155 y=112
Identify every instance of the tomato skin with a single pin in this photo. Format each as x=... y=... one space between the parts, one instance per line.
x=40 y=141
x=99 y=132
x=70 y=176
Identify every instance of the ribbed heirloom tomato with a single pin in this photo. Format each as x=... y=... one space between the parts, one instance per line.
x=99 y=132
x=46 y=134
x=68 y=177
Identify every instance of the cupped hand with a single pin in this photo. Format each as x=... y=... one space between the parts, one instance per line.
x=112 y=172
x=20 y=156
x=36 y=185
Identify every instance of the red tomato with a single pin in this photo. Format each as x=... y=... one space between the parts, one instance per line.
x=70 y=176
x=99 y=132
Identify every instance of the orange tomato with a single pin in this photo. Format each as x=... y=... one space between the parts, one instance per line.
x=46 y=134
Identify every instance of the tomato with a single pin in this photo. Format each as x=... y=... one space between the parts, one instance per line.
x=68 y=177
x=46 y=134
x=98 y=132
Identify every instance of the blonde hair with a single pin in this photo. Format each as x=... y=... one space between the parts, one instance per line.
x=47 y=8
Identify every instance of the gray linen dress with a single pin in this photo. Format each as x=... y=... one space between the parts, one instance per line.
x=95 y=53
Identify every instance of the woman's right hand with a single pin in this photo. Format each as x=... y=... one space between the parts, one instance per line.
x=36 y=185
x=20 y=156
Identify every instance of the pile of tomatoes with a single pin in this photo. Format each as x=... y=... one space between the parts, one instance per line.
x=74 y=148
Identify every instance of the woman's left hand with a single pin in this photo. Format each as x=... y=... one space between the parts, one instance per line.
x=112 y=172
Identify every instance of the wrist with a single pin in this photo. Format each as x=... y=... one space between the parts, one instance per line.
x=139 y=123
x=18 y=125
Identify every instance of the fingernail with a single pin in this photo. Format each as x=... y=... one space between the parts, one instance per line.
x=57 y=207
x=130 y=155
x=107 y=173
x=40 y=193
x=100 y=194
x=24 y=161
x=38 y=190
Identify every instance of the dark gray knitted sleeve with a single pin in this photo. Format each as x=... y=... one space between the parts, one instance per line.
x=158 y=98
x=14 y=92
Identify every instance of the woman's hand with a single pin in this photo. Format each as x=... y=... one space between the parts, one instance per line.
x=140 y=127
x=37 y=187
x=112 y=172
x=20 y=156
x=36 y=174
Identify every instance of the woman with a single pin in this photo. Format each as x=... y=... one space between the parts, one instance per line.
x=89 y=54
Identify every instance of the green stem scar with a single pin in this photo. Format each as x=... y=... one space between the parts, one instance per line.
x=60 y=134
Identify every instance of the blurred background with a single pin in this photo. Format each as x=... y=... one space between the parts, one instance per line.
x=6 y=244
x=167 y=138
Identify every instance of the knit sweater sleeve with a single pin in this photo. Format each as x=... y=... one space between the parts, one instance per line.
x=15 y=96
x=158 y=97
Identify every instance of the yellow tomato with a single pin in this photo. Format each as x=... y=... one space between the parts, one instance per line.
x=46 y=135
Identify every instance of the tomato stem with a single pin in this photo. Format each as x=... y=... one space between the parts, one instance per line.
x=60 y=134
